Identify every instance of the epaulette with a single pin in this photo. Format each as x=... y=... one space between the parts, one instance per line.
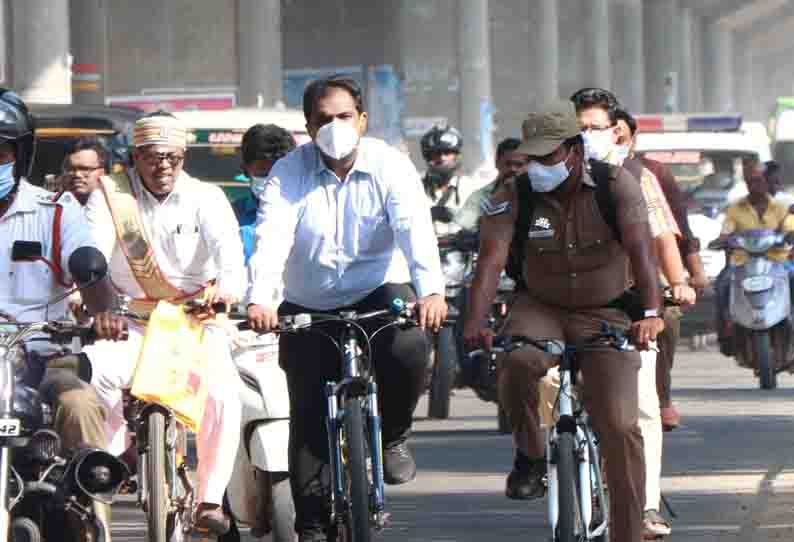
x=60 y=198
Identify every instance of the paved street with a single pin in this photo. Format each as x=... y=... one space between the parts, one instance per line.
x=728 y=472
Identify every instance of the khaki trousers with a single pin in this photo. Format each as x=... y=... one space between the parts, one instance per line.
x=667 y=340
x=610 y=395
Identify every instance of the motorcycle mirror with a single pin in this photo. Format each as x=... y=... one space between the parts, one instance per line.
x=25 y=251
x=87 y=265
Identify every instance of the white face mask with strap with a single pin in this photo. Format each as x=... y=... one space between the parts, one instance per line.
x=337 y=139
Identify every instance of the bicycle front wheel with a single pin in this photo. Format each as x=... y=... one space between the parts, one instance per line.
x=566 y=480
x=358 y=517
x=157 y=499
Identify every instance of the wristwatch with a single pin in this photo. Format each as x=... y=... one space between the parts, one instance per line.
x=651 y=313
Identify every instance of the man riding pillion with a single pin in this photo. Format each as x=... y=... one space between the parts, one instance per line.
x=757 y=210
x=576 y=269
x=169 y=236
x=344 y=221
x=29 y=213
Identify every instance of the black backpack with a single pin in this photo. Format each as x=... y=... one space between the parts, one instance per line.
x=601 y=172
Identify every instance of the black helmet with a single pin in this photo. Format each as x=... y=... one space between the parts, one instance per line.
x=439 y=140
x=17 y=127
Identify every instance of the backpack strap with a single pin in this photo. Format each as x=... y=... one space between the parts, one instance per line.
x=602 y=173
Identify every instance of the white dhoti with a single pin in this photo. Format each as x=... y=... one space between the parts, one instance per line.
x=113 y=364
x=650 y=422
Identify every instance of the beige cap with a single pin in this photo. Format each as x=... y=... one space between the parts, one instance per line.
x=159 y=130
x=545 y=130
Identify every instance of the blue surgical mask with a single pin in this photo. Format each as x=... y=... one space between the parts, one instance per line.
x=258 y=186
x=547 y=178
x=7 y=180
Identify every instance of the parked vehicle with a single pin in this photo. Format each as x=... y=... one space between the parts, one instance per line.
x=760 y=306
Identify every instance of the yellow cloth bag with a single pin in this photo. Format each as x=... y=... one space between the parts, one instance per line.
x=172 y=367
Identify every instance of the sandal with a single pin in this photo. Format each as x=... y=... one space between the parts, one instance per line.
x=654 y=526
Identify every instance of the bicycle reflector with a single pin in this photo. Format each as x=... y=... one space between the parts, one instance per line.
x=703 y=122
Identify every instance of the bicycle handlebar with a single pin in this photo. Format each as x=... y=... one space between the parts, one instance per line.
x=610 y=336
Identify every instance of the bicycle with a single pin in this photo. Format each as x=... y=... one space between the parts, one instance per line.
x=353 y=420
x=573 y=466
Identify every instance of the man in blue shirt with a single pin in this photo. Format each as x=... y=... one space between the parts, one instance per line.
x=261 y=147
x=344 y=222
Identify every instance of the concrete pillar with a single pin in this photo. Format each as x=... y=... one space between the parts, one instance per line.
x=597 y=48
x=474 y=61
x=633 y=83
x=89 y=33
x=718 y=55
x=686 y=73
x=744 y=81
x=546 y=49
x=259 y=52
x=4 y=75
x=662 y=54
x=41 y=61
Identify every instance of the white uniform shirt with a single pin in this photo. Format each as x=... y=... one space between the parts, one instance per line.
x=193 y=233
x=334 y=242
x=30 y=218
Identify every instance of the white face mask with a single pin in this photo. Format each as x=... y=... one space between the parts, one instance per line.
x=620 y=153
x=547 y=178
x=337 y=139
x=258 y=186
x=597 y=144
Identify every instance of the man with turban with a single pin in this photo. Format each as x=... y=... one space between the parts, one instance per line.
x=169 y=236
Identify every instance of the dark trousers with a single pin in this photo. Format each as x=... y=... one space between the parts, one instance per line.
x=400 y=359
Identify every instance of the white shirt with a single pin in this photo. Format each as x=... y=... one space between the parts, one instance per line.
x=193 y=233
x=335 y=241
x=460 y=188
x=30 y=218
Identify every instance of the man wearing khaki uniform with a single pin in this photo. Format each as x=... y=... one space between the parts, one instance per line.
x=575 y=268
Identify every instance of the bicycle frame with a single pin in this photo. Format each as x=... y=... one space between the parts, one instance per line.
x=356 y=382
x=573 y=419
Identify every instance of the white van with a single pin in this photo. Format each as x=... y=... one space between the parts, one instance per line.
x=214 y=137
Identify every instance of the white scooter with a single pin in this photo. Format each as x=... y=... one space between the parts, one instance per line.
x=259 y=492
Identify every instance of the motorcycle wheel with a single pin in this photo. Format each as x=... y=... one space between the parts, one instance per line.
x=157 y=500
x=443 y=377
x=762 y=353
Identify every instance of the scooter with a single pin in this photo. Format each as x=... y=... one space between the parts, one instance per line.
x=258 y=494
x=759 y=306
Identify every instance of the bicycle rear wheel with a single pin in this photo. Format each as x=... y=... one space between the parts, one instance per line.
x=566 y=480
x=358 y=516
x=157 y=500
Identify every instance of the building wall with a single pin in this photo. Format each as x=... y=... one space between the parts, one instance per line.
x=174 y=44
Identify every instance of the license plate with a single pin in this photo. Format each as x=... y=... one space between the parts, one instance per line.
x=9 y=427
x=757 y=284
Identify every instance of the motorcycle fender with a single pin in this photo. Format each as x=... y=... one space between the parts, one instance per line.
x=268 y=444
x=776 y=310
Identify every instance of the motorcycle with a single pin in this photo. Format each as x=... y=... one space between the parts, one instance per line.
x=759 y=307
x=259 y=493
x=457 y=260
x=47 y=492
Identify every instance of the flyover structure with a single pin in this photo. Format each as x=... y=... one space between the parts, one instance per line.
x=477 y=64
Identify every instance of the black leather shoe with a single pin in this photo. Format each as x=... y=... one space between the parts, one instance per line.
x=527 y=482
x=399 y=466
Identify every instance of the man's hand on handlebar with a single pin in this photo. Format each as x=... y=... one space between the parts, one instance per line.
x=645 y=331
x=432 y=311
x=262 y=319
x=682 y=294
x=477 y=336
x=110 y=326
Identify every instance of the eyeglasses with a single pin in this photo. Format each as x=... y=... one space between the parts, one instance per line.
x=155 y=159
x=80 y=170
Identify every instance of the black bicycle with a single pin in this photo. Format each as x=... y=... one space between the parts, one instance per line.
x=353 y=420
